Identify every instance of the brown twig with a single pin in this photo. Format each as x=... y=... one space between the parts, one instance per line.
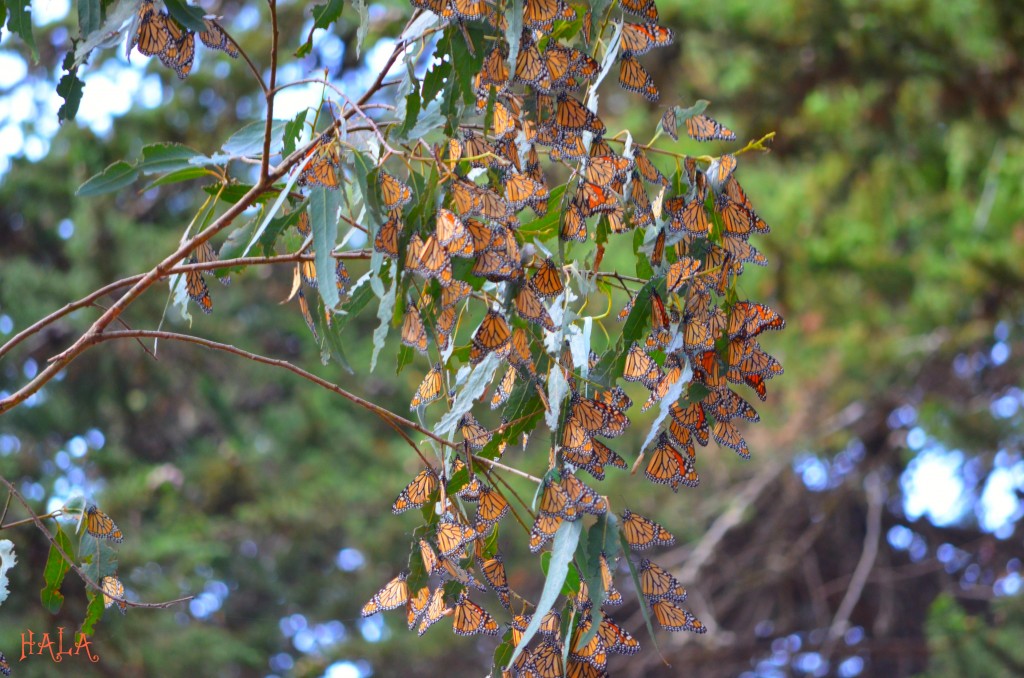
x=71 y=563
x=270 y=92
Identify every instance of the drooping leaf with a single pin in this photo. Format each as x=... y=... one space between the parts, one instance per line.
x=674 y=392
x=186 y=15
x=98 y=557
x=166 y=157
x=326 y=14
x=562 y=550
x=514 y=32
x=178 y=176
x=387 y=305
x=324 y=204
x=293 y=132
x=645 y=608
x=364 y=23
x=113 y=178
x=248 y=141
x=475 y=385
x=20 y=23
x=54 y=571
x=88 y=16
x=93 y=614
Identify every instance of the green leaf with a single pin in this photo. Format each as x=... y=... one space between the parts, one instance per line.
x=98 y=557
x=166 y=157
x=514 y=32
x=335 y=345
x=88 y=16
x=293 y=131
x=326 y=14
x=54 y=571
x=324 y=204
x=115 y=177
x=361 y=296
x=643 y=262
x=387 y=305
x=92 y=614
x=364 y=168
x=3 y=16
x=237 y=239
x=20 y=23
x=70 y=90
x=474 y=387
x=433 y=81
x=562 y=550
x=248 y=141
x=178 y=176
x=186 y=15
x=364 y=23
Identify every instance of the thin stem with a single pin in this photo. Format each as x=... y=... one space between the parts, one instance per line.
x=71 y=563
x=245 y=57
x=255 y=357
x=269 y=91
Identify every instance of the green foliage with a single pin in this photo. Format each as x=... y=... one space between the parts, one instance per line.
x=53 y=573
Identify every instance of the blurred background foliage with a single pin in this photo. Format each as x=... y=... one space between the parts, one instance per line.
x=894 y=193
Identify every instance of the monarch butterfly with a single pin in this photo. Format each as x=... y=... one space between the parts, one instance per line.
x=492 y=507
x=436 y=611
x=416 y=493
x=452 y=235
x=667 y=466
x=428 y=259
x=386 y=239
x=612 y=597
x=595 y=199
x=574 y=226
x=503 y=121
x=493 y=334
x=726 y=433
x=657 y=583
x=737 y=221
x=518 y=626
x=680 y=272
x=642 y=533
x=416 y=605
x=454 y=293
x=530 y=67
x=593 y=653
x=521 y=190
x=673 y=373
x=438 y=7
x=749 y=319
x=325 y=167
x=752 y=360
x=644 y=8
x=394 y=193
x=692 y=418
x=697 y=336
x=688 y=215
x=112 y=588
x=547 y=280
x=575 y=437
x=414 y=335
x=705 y=128
x=150 y=37
x=551 y=625
x=474 y=434
x=394 y=594
x=634 y=78
x=430 y=388
x=544 y=528
x=643 y=213
x=597 y=417
x=740 y=251
x=675 y=618
x=204 y=254
x=5 y=666
x=496 y=267
x=603 y=170
x=469 y=10
x=540 y=14
x=658 y=251
x=646 y=168
x=471 y=490
x=504 y=389
x=469 y=618
x=529 y=307
x=493 y=71
x=452 y=536
x=736 y=193
x=430 y=560
x=306 y=315
x=493 y=571
x=214 y=37
x=584 y=497
x=616 y=638
x=180 y=49
x=99 y=525
x=573 y=115
x=641 y=367
x=640 y=39
x=444 y=327
x=197 y=290
x=473 y=149
x=720 y=170
x=559 y=62
x=555 y=501
x=756 y=382
x=520 y=356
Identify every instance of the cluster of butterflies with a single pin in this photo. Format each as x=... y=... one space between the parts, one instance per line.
x=156 y=34
x=101 y=526
x=444 y=552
